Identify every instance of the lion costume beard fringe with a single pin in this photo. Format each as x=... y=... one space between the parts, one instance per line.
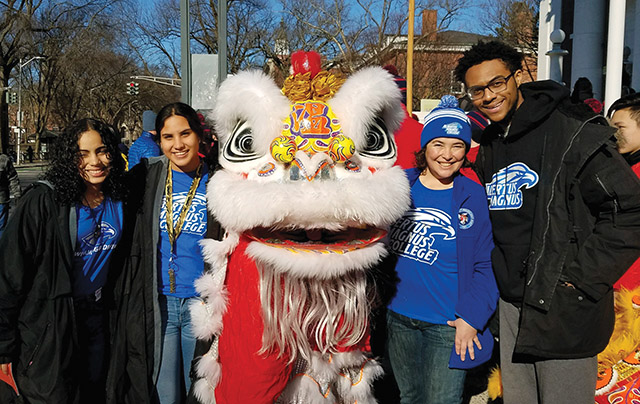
x=336 y=311
x=306 y=192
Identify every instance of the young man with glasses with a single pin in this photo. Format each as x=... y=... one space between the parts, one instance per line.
x=565 y=210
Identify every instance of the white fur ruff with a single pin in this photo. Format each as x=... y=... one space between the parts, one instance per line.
x=204 y=392
x=206 y=314
x=209 y=368
x=318 y=265
x=378 y=200
x=366 y=94
x=215 y=252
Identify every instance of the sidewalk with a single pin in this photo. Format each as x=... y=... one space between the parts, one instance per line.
x=39 y=163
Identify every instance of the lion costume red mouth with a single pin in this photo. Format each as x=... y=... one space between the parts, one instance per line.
x=318 y=240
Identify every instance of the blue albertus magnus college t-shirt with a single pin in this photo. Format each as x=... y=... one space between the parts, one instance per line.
x=99 y=230
x=189 y=264
x=425 y=241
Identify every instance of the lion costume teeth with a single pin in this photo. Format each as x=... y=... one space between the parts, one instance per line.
x=306 y=192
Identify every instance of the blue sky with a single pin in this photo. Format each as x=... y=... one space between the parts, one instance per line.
x=467 y=20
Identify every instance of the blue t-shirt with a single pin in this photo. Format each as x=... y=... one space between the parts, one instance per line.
x=425 y=241
x=99 y=230
x=188 y=262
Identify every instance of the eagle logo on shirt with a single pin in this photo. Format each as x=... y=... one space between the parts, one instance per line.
x=504 y=191
x=107 y=232
x=414 y=234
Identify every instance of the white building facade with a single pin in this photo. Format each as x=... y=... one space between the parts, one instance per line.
x=602 y=40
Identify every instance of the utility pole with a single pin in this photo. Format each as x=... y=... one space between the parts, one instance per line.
x=19 y=137
x=185 y=52
x=222 y=41
x=412 y=16
x=4 y=120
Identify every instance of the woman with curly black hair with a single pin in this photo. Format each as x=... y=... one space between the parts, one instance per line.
x=54 y=260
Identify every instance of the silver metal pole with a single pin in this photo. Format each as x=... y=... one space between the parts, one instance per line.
x=19 y=137
x=615 y=51
x=222 y=40
x=185 y=52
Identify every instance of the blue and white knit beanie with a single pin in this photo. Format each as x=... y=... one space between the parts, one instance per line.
x=446 y=120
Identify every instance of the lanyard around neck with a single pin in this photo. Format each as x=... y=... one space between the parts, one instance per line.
x=172 y=231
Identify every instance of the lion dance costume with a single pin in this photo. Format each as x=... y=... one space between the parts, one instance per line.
x=619 y=363
x=306 y=191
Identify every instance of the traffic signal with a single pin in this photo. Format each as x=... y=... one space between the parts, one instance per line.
x=133 y=88
x=13 y=98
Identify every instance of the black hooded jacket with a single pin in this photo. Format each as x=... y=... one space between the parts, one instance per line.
x=580 y=226
x=37 y=321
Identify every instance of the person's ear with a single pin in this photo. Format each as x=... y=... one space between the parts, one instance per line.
x=517 y=76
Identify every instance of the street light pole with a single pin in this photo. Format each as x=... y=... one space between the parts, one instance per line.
x=19 y=136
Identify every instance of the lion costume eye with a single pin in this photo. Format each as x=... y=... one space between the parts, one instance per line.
x=240 y=147
x=378 y=142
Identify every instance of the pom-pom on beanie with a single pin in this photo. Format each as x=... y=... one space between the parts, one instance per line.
x=446 y=120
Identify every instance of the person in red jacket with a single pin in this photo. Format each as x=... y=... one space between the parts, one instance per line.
x=624 y=114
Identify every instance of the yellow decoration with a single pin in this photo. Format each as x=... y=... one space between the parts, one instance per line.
x=494 y=386
x=341 y=149
x=325 y=85
x=626 y=333
x=301 y=87
x=313 y=127
x=283 y=149
x=297 y=87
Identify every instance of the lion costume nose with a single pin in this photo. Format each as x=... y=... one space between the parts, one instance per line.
x=311 y=158
x=310 y=167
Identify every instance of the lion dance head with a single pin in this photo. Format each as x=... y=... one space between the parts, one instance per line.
x=306 y=191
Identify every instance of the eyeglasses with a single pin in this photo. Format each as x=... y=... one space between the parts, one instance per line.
x=497 y=85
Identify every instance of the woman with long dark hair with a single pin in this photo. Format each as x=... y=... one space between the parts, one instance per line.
x=54 y=262
x=157 y=286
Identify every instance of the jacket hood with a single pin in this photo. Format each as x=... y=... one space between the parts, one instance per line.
x=540 y=99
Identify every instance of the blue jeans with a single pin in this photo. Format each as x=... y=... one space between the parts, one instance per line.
x=419 y=355
x=178 y=346
x=4 y=216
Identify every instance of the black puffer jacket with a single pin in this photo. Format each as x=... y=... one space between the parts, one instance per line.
x=136 y=342
x=37 y=326
x=586 y=229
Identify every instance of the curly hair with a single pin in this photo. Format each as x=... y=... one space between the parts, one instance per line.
x=484 y=51
x=63 y=170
